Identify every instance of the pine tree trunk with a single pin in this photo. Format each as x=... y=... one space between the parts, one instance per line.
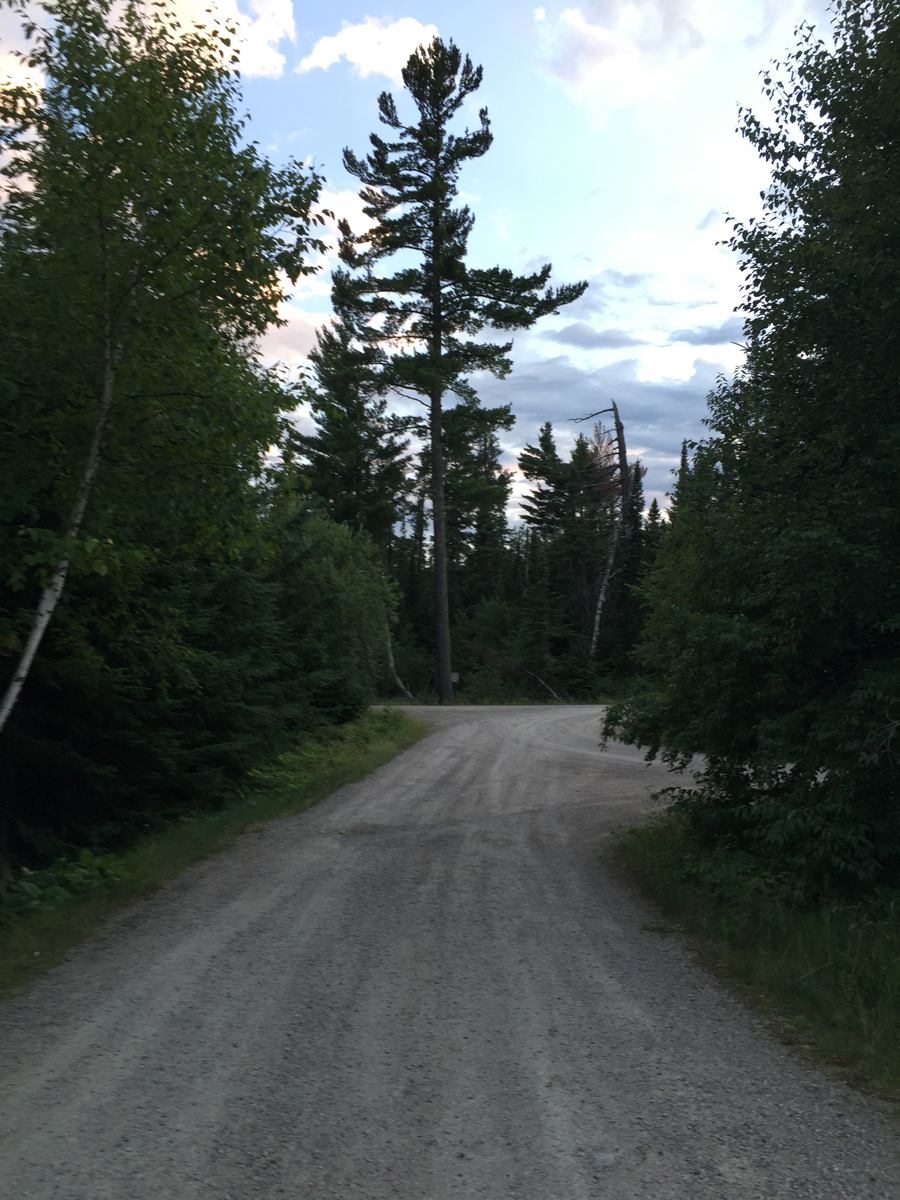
x=54 y=589
x=439 y=520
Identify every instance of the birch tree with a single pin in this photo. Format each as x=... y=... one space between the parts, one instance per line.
x=138 y=220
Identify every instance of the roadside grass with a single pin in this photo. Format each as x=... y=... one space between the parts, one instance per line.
x=68 y=905
x=829 y=975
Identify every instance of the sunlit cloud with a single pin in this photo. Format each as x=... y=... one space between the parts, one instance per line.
x=609 y=53
x=262 y=25
x=291 y=343
x=372 y=47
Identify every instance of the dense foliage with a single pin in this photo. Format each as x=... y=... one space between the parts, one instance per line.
x=522 y=597
x=208 y=614
x=773 y=628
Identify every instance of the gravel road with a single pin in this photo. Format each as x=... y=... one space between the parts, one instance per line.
x=428 y=987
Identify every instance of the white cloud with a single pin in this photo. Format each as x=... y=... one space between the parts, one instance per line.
x=304 y=311
x=658 y=27
x=348 y=206
x=292 y=342
x=345 y=205
x=262 y=25
x=612 y=52
x=373 y=47
x=272 y=23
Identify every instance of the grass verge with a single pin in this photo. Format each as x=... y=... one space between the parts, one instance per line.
x=34 y=941
x=829 y=975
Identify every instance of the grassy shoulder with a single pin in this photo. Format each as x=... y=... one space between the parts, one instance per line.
x=829 y=975
x=66 y=906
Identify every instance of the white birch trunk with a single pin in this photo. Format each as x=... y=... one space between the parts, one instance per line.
x=52 y=592
x=390 y=657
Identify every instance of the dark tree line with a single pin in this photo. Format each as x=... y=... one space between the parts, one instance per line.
x=523 y=595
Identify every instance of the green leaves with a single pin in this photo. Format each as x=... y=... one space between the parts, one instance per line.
x=772 y=634
x=59 y=883
x=143 y=248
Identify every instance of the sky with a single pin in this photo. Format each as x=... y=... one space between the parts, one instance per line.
x=615 y=158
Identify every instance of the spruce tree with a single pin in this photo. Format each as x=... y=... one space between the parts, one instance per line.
x=572 y=510
x=356 y=460
x=422 y=320
x=653 y=531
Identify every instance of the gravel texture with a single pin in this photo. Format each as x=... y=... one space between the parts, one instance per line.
x=428 y=987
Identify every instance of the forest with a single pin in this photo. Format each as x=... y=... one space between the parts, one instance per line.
x=190 y=581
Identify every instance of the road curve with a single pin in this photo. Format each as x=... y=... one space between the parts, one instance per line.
x=429 y=987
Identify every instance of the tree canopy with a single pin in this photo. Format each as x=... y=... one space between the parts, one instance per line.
x=772 y=633
x=202 y=615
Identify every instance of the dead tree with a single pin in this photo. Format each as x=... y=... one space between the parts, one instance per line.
x=621 y=527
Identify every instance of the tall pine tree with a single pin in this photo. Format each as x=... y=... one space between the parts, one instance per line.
x=422 y=320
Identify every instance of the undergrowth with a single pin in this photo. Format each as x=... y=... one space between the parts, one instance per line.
x=829 y=972
x=45 y=914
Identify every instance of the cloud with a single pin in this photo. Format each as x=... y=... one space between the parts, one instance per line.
x=346 y=205
x=272 y=23
x=659 y=27
x=612 y=52
x=622 y=279
x=585 y=336
x=597 y=297
x=373 y=47
x=709 y=220
x=291 y=343
x=658 y=415
x=731 y=330
x=261 y=26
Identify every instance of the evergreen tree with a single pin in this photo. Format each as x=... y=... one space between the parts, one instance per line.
x=356 y=461
x=572 y=511
x=654 y=527
x=772 y=631
x=427 y=314
x=477 y=491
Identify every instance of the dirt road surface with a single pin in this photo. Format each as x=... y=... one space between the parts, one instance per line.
x=429 y=987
